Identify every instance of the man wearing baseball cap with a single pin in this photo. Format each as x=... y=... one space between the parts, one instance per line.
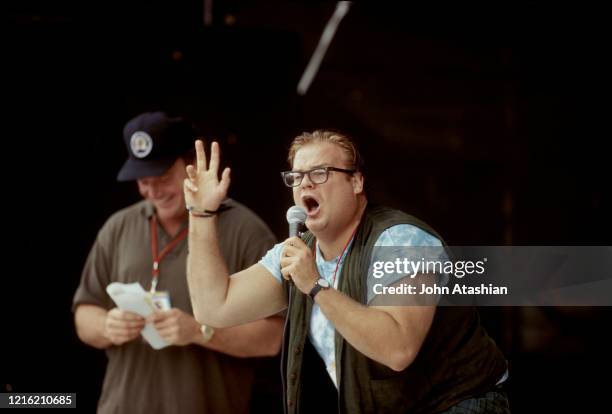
x=146 y=243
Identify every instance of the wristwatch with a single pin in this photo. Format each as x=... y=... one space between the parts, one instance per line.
x=319 y=284
x=207 y=332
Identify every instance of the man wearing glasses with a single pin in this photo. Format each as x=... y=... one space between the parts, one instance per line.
x=340 y=354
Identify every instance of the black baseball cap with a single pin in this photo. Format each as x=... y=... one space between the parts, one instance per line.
x=154 y=142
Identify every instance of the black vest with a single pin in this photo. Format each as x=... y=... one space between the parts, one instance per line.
x=457 y=360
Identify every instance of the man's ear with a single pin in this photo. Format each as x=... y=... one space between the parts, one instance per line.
x=357 y=179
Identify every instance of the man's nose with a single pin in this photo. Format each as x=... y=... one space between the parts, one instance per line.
x=152 y=190
x=156 y=191
x=306 y=182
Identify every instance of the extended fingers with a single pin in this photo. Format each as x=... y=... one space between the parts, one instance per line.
x=200 y=155
x=214 y=157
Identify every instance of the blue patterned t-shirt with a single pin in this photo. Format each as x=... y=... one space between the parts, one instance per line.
x=322 y=331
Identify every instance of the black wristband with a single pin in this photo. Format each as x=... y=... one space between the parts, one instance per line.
x=207 y=213
x=201 y=213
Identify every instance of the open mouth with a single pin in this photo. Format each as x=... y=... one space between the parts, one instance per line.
x=311 y=205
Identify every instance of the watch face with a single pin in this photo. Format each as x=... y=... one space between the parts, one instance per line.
x=323 y=283
x=207 y=332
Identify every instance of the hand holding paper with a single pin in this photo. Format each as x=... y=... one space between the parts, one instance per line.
x=176 y=326
x=133 y=298
x=122 y=326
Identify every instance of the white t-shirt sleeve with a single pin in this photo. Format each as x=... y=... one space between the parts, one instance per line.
x=271 y=261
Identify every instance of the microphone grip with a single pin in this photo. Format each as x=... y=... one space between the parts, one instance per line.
x=294 y=229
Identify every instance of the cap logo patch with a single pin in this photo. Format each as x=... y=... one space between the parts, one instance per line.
x=141 y=144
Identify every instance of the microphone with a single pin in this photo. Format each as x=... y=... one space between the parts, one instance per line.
x=296 y=217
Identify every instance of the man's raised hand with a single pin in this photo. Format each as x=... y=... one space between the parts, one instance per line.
x=202 y=187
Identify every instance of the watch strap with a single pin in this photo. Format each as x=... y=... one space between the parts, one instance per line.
x=316 y=289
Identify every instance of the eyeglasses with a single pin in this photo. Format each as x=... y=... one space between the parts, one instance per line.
x=317 y=175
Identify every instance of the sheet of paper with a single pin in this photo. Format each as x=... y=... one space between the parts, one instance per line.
x=133 y=298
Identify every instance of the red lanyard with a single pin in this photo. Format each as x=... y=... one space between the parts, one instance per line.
x=339 y=257
x=158 y=257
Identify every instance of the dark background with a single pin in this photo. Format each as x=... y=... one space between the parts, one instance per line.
x=488 y=123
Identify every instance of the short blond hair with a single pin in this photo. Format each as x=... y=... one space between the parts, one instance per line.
x=345 y=142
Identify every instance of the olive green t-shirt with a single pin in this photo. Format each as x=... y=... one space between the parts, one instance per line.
x=176 y=379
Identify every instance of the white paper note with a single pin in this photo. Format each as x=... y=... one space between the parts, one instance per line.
x=133 y=298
